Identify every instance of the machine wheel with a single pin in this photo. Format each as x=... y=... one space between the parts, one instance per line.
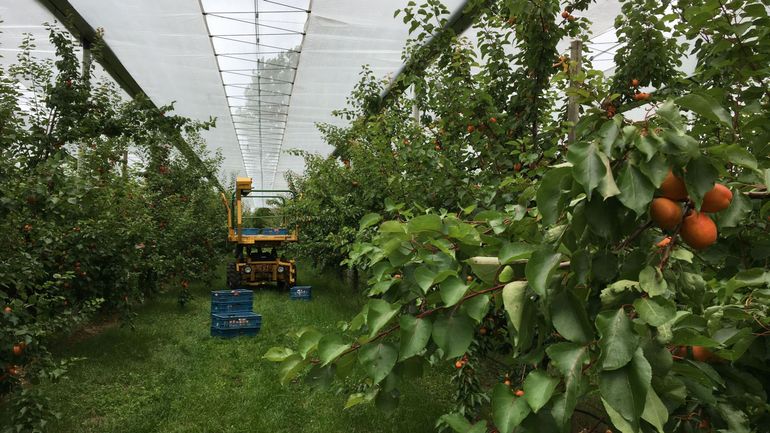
x=233 y=279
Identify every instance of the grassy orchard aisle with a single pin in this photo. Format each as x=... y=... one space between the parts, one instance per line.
x=168 y=375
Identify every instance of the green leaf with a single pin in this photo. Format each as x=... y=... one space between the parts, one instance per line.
x=477 y=307
x=609 y=132
x=392 y=227
x=739 y=155
x=506 y=275
x=607 y=187
x=380 y=313
x=655 y=411
x=485 y=268
x=308 y=341
x=569 y=317
x=538 y=388
x=453 y=334
x=671 y=115
x=617 y=420
x=618 y=340
x=625 y=389
x=514 y=300
x=460 y=424
x=508 y=411
x=588 y=167
x=705 y=106
x=369 y=220
x=651 y=281
x=539 y=269
x=656 y=169
x=569 y=359
x=452 y=290
x=415 y=334
x=655 y=311
x=278 y=354
x=515 y=251
x=635 y=189
x=737 y=421
x=290 y=367
x=424 y=277
x=330 y=347
x=358 y=398
x=378 y=359
x=424 y=223
x=550 y=195
x=734 y=215
x=699 y=178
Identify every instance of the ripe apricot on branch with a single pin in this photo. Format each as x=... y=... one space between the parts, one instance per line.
x=698 y=230
x=635 y=82
x=673 y=187
x=717 y=199
x=666 y=213
x=471 y=128
x=519 y=393
x=700 y=353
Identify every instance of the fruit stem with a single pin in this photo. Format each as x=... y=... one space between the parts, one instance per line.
x=633 y=235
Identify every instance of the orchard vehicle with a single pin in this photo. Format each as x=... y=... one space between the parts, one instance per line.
x=257 y=249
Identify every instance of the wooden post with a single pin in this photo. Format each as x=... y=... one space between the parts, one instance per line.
x=573 y=108
x=415 y=106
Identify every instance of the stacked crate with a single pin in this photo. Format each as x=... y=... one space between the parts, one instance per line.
x=232 y=315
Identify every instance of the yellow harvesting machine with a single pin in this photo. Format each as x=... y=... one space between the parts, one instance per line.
x=257 y=258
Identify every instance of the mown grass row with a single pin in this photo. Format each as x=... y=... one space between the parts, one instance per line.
x=168 y=375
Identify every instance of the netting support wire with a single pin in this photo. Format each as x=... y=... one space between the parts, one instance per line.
x=252 y=13
x=269 y=93
x=298 y=9
x=254 y=69
x=274 y=104
x=294 y=78
x=254 y=23
x=259 y=93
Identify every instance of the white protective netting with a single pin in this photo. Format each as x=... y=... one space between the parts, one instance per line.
x=268 y=70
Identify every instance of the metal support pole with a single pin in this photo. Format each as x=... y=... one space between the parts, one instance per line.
x=573 y=108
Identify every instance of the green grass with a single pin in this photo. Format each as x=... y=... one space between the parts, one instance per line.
x=168 y=375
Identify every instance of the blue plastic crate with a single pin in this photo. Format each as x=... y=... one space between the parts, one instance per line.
x=274 y=232
x=231 y=306
x=248 y=231
x=300 y=293
x=234 y=332
x=242 y=319
x=239 y=295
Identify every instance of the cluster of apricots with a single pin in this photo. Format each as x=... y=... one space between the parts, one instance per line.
x=697 y=229
x=567 y=15
x=639 y=96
